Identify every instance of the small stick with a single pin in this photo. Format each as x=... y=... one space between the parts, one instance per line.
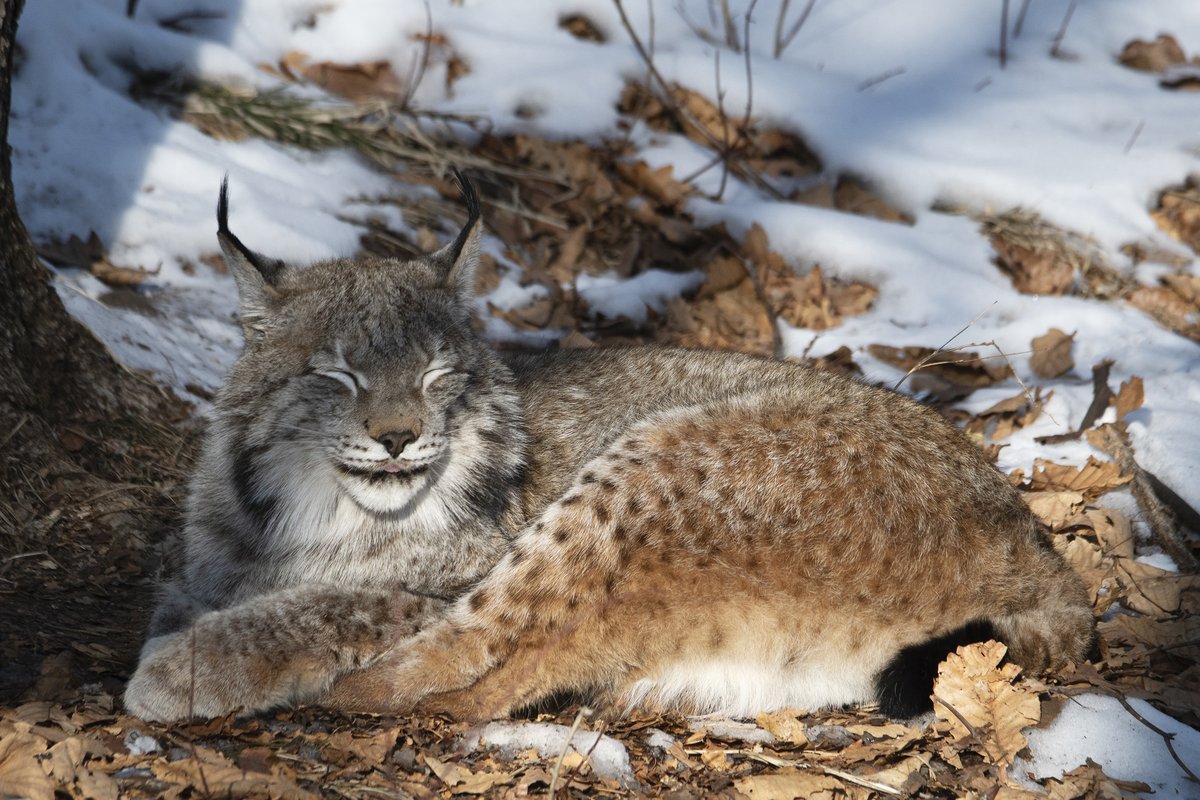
x=929 y=357
x=1062 y=31
x=1167 y=737
x=782 y=43
x=1136 y=133
x=584 y=711
x=1003 y=33
x=1020 y=19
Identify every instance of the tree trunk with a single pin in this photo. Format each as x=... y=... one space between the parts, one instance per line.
x=50 y=366
x=84 y=483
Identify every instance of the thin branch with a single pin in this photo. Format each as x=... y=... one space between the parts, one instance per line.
x=929 y=357
x=1167 y=737
x=584 y=711
x=783 y=42
x=417 y=72
x=1003 y=33
x=1020 y=23
x=683 y=115
x=1062 y=30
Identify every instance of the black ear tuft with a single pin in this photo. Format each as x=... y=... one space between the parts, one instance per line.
x=269 y=268
x=472 y=200
x=223 y=209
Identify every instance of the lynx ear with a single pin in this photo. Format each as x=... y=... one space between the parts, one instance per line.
x=254 y=274
x=457 y=260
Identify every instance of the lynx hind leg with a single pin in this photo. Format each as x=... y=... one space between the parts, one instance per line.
x=1048 y=624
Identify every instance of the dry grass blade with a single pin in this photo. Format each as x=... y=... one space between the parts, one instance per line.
x=849 y=777
x=584 y=711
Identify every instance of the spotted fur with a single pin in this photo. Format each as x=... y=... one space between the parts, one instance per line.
x=681 y=530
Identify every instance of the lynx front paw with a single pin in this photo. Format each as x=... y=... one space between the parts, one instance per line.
x=170 y=684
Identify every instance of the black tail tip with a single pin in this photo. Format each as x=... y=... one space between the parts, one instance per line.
x=904 y=686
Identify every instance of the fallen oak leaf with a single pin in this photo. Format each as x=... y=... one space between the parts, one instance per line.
x=975 y=699
x=20 y=773
x=1093 y=479
x=788 y=784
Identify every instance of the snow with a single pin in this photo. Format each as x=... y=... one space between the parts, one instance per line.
x=140 y=744
x=1099 y=727
x=608 y=757
x=908 y=96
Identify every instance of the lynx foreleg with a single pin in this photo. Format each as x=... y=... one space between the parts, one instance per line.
x=279 y=649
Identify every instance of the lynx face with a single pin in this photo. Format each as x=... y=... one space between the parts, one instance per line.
x=389 y=407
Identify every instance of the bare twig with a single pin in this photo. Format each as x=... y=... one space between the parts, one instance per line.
x=1167 y=737
x=920 y=364
x=584 y=711
x=685 y=117
x=1003 y=33
x=1020 y=23
x=776 y=761
x=416 y=73
x=782 y=40
x=1136 y=133
x=1062 y=30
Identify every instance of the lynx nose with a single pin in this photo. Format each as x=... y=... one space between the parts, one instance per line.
x=395 y=441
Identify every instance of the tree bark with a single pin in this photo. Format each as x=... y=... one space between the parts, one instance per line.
x=51 y=367
x=88 y=471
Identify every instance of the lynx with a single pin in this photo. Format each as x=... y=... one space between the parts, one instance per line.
x=389 y=515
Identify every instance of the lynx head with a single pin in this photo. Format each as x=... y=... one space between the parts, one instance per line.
x=362 y=374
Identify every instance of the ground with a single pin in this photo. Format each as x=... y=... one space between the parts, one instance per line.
x=1002 y=225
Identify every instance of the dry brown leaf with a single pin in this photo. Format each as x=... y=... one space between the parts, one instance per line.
x=715 y=758
x=803 y=301
x=461 y=780
x=1178 y=213
x=659 y=183
x=970 y=682
x=20 y=773
x=373 y=80
x=1089 y=781
x=855 y=197
x=212 y=769
x=1054 y=509
x=904 y=776
x=1130 y=396
x=784 y=726
x=1009 y=415
x=89 y=254
x=1093 y=479
x=369 y=748
x=1052 y=354
x=1089 y=562
x=1153 y=591
x=1113 y=531
x=1153 y=56
x=1167 y=308
x=726 y=313
x=582 y=27
x=789 y=784
x=571 y=247
x=1034 y=271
